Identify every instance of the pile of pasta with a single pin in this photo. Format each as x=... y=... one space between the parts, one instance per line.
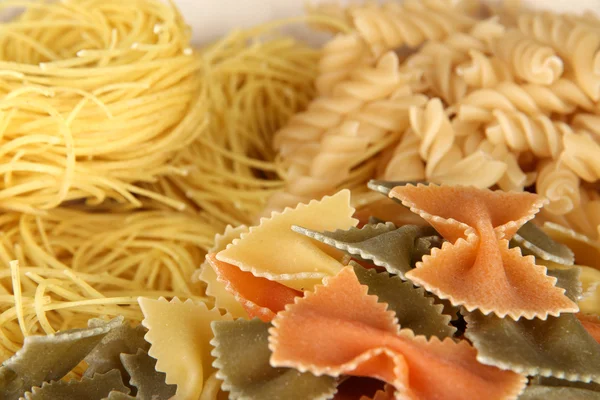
x=129 y=158
x=123 y=151
x=470 y=301
x=453 y=92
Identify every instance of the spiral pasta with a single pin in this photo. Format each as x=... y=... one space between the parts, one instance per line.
x=584 y=219
x=442 y=62
x=405 y=163
x=88 y=116
x=559 y=185
x=482 y=71
x=582 y=154
x=528 y=59
x=412 y=23
x=576 y=43
x=437 y=61
x=587 y=122
x=433 y=127
x=365 y=132
x=365 y=84
x=514 y=177
x=339 y=58
x=521 y=132
x=445 y=162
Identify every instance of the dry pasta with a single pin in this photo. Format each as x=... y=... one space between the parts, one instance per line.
x=559 y=185
x=576 y=43
x=438 y=147
x=511 y=103
x=581 y=155
x=50 y=300
x=88 y=116
x=523 y=132
x=330 y=154
x=339 y=58
x=528 y=59
x=120 y=255
x=412 y=23
x=212 y=111
x=252 y=91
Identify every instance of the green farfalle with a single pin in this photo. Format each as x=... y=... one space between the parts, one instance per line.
x=568 y=279
x=534 y=241
x=385 y=187
x=555 y=382
x=539 y=392
x=121 y=339
x=413 y=309
x=394 y=249
x=47 y=358
x=97 y=387
x=114 y=395
x=150 y=384
x=558 y=346
x=241 y=349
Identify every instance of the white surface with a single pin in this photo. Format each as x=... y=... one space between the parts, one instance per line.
x=213 y=18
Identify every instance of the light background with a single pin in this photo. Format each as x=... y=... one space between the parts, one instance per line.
x=213 y=18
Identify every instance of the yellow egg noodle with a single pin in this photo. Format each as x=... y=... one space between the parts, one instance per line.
x=69 y=257
x=96 y=98
x=252 y=91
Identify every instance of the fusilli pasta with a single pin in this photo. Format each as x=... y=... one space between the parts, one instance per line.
x=326 y=162
x=394 y=25
x=559 y=185
x=509 y=102
x=522 y=132
x=514 y=177
x=405 y=163
x=577 y=44
x=528 y=59
x=339 y=58
x=445 y=162
x=365 y=84
x=482 y=71
x=582 y=155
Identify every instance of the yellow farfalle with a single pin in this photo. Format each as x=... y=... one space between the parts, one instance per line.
x=215 y=288
x=272 y=250
x=180 y=334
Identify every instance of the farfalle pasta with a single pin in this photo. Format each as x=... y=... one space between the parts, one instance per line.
x=186 y=361
x=249 y=253
x=478 y=225
x=303 y=337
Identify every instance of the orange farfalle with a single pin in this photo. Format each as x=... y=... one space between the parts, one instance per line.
x=341 y=330
x=260 y=297
x=476 y=268
x=591 y=323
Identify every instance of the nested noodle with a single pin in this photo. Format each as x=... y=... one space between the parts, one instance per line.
x=90 y=106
